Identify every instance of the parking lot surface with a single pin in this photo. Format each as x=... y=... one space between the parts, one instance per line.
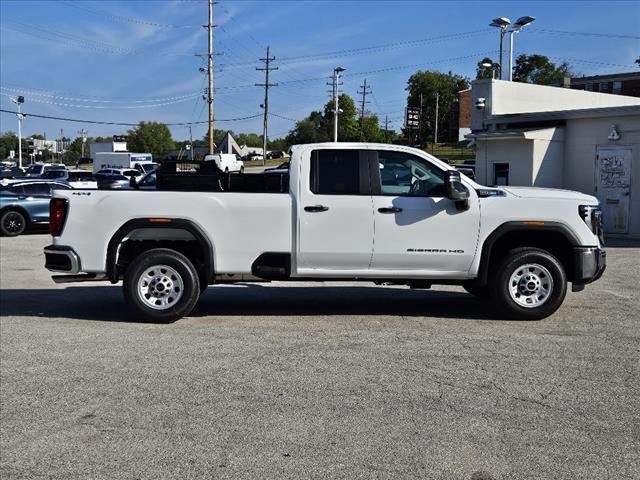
x=315 y=381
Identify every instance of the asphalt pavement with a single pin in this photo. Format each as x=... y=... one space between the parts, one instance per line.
x=315 y=380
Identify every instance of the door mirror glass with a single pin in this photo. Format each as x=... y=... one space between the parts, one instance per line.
x=455 y=190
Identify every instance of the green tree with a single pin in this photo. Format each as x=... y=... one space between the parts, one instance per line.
x=348 y=126
x=152 y=137
x=431 y=84
x=483 y=72
x=370 y=129
x=249 y=139
x=308 y=130
x=8 y=142
x=540 y=70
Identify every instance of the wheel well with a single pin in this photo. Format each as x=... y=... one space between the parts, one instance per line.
x=553 y=241
x=138 y=236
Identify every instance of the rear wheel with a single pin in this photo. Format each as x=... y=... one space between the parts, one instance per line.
x=161 y=285
x=529 y=284
x=12 y=223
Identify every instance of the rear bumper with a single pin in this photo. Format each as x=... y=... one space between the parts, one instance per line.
x=589 y=264
x=61 y=259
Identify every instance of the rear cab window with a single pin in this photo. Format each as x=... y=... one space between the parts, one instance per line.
x=339 y=172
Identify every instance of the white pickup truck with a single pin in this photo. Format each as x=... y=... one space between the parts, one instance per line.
x=346 y=211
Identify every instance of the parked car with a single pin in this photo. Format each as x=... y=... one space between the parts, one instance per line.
x=25 y=204
x=282 y=168
x=37 y=169
x=227 y=162
x=275 y=154
x=339 y=217
x=12 y=172
x=468 y=171
x=253 y=156
x=77 y=178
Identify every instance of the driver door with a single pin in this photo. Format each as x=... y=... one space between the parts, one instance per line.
x=417 y=229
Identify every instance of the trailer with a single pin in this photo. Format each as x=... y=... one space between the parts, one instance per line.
x=139 y=161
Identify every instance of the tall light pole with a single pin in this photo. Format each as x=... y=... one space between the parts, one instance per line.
x=521 y=22
x=19 y=101
x=336 y=79
x=502 y=23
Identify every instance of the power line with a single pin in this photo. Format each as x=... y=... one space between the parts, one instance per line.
x=99 y=122
x=122 y=18
x=584 y=34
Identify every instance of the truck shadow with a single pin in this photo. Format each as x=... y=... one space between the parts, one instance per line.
x=106 y=303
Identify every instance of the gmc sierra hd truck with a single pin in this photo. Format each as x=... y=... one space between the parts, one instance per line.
x=344 y=211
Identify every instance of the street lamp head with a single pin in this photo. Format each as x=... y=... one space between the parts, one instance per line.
x=339 y=69
x=500 y=22
x=522 y=21
x=17 y=100
x=487 y=64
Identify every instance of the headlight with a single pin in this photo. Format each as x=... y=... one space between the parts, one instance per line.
x=592 y=216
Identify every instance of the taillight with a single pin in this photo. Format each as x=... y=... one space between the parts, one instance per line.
x=57 y=215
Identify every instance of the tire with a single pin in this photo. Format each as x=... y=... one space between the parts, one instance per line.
x=161 y=285
x=529 y=284
x=479 y=292
x=12 y=223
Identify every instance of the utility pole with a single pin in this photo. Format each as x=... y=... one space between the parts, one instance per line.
x=19 y=101
x=435 y=136
x=335 y=92
x=386 y=128
x=210 y=73
x=366 y=89
x=265 y=123
x=61 y=144
x=191 y=142
x=83 y=132
x=420 y=126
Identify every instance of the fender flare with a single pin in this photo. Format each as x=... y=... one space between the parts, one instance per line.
x=508 y=227
x=177 y=224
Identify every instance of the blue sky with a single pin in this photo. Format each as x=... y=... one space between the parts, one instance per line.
x=129 y=61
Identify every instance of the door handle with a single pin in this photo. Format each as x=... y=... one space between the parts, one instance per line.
x=390 y=210
x=316 y=208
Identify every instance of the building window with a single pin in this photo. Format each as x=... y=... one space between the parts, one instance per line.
x=589 y=87
x=617 y=87
x=604 y=87
x=501 y=174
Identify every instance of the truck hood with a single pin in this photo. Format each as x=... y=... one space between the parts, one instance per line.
x=550 y=193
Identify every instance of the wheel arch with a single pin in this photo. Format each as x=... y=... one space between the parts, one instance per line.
x=207 y=271
x=16 y=208
x=555 y=237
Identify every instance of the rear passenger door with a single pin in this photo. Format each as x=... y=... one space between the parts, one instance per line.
x=335 y=213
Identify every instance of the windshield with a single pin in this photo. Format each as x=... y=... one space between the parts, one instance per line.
x=34 y=169
x=131 y=173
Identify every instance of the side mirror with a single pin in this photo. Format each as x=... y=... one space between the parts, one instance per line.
x=455 y=190
x=132 y=183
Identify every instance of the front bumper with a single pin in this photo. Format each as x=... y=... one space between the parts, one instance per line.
x=60 y=258
x=589 y=264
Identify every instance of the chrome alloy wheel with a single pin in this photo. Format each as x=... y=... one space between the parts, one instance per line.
x=530 y=285
x=160 y=287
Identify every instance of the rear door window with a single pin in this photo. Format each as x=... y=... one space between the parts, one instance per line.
x=339 y=172
x=37 y=189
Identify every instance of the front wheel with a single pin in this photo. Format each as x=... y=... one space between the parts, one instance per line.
x=161 y=285
x=529 y=284
x=12 y=223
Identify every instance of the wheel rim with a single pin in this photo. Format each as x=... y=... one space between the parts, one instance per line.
x=13 y=222
x=530 y=285
x=160 y=287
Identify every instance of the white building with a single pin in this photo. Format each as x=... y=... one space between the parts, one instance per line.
x=556 y=137
x=117 y=144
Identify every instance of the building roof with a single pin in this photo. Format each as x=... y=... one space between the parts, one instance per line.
x=566 y=114
x=613 y=76
x=533 y=133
